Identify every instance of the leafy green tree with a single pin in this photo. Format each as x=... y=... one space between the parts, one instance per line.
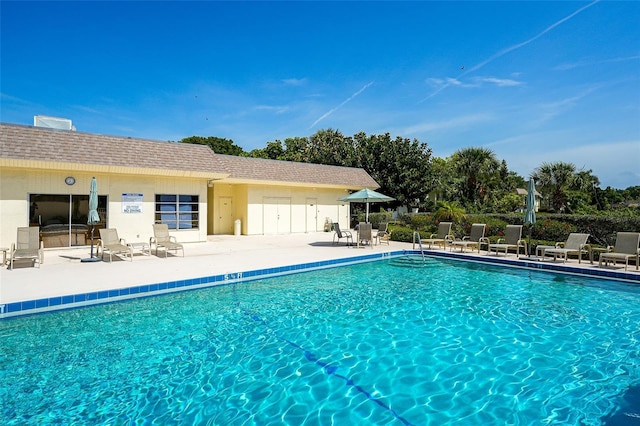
x=507 y=203
x=401 y=166
x=331 y=147
x=586 y=184
x=632 y=193
x=296 y=149
x=472 y=177
x=443 y=182
x=218 y=145
x=505 y=198
x=273 y=151
x=611 y=196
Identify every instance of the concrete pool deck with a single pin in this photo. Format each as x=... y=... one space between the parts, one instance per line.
x=63 y=273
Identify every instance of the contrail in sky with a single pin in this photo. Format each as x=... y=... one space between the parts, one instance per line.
x=516 y=46
x=328 y=113
x=524 y=43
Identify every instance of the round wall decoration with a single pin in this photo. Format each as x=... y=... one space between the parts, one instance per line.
x=70 y=180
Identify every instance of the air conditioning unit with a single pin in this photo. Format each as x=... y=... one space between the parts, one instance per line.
x=53 y=122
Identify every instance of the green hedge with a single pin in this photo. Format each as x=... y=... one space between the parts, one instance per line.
x=549 y=228
x=375 y=218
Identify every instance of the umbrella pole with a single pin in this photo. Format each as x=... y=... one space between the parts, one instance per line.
x=93 y=227
x=91 y=259
x=93 y=217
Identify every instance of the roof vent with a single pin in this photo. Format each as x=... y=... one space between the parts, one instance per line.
x=53 y=122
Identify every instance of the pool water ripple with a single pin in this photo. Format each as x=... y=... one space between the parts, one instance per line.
x=370 y=344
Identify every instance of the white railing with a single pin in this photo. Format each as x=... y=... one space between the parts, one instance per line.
x=416 y=234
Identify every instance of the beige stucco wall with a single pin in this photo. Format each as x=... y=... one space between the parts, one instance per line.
x=299 y=209
x=292 y=206
x=223 y=192
x=252 y=204
x=17 y=184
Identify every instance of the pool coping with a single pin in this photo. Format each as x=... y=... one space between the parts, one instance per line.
x=56 y=303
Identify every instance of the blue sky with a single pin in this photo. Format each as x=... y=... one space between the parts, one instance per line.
x=532 y=81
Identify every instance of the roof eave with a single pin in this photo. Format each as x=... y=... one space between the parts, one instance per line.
x=107 y=168
x=240 y=181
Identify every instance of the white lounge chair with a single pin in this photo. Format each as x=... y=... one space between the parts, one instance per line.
x=626 y=248
x=512 y=240
x=474 y=239
x=162 y=239
x=109 y=242
x=442 y=237
x=575 y=244
x=27 y=246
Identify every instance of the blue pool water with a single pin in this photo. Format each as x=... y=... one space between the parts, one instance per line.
x=387 y=342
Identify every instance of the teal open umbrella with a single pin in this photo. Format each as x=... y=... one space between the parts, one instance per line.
x=366 y=196
x=93 y=218
x=530 y=211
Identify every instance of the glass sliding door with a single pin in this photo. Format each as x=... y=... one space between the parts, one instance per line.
x=63 y=218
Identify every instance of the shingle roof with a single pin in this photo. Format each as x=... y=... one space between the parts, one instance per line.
x=60 y=146
x=522 y=191
x=245 y=169
x=44 y=146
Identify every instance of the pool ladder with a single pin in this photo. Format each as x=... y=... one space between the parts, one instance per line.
x=416 y=235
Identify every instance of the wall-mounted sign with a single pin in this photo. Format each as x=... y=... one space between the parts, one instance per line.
x=132 y=203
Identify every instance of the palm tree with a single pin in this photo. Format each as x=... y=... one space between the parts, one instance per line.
x=588 y=183
x=450 y=211
x=555 y=179
x=479 y=169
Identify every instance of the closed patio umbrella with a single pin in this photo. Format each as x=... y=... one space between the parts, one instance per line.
x=366 y=196
x=530 y=212
x=93 y=216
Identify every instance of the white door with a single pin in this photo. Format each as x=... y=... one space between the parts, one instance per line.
x=312 y=215
x=277 y=215
x=343 y=216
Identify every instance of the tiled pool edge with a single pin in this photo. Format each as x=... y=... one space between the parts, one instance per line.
x=50 y=304
x=535 y=264
x=56 y=303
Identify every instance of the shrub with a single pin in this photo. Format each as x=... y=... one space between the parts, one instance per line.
x=494 y=226
x=552 y=230
x=401 y=233
x=422 y=222
x=375 y=218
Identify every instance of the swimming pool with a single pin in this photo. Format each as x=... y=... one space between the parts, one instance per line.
x=386 y=342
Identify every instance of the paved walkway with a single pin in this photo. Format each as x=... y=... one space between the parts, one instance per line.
x=64 y=274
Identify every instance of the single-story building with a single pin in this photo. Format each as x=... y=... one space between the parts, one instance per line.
x=45 y=176
x=523 y=192
x=275 y=197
